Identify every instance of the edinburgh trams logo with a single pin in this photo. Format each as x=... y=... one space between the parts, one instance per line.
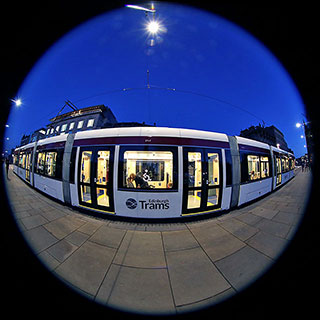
x=131 y=203
x=151 y=204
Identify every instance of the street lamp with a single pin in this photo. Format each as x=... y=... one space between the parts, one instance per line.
x=17 y=102
x=153 y=27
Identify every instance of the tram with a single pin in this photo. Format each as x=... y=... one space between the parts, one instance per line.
x=152 y=172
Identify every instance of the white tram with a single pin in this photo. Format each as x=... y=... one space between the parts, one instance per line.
x=153 y=172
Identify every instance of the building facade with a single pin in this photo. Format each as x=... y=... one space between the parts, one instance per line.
x=270 y=135
x=89 y=118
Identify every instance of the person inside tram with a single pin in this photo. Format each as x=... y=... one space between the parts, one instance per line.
x=130 y=182
x=140 y=183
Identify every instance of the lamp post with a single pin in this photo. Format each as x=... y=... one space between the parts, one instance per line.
x=308 y=138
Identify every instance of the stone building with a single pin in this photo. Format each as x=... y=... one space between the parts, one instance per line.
x=270 y=135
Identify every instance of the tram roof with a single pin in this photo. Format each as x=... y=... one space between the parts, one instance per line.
x=152 y=132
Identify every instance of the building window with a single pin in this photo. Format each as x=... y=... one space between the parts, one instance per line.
x=148 y=169
x=51 y=132
x=57 y=128
x=80 y=124
x=90 y=123
x=71 y=126
x=64 y=127
x=48 y=131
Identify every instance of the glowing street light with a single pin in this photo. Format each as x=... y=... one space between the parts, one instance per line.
x=298 y=125
x=17 y=102
x=153 y=26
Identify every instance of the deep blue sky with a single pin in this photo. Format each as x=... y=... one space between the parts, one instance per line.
x=196 y=52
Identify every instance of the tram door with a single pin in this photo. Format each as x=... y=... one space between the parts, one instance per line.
x=28 y=163
x=96 y=178
x=202 y=189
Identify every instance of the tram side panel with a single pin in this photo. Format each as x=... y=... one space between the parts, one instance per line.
x=256 y=172
x=48 y=172
x=227 y=179
x=74 y=176
x=163 y=197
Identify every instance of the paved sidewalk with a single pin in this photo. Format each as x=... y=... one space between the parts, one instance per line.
x=159 y=268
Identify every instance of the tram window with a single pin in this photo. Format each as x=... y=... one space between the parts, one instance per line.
x=286 y=163
x=103 y=167
x=85 y=166
x=148 y=169
x=41 y=162
x=228 y=167
x=194 y=199
x=283 y=166
x=213 y=169
x=213 y=196
x=72 y=164
x=28 y=160
x=15 y=159
x=265 y=171
x=253 y=167
x=22 y=159
x=50 y=164
x=194 y=169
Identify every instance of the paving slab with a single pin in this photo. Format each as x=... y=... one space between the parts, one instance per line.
x=145 y=250
x=33 y=221
x=62 y=227
x=217 y=242
x=248 y=218
x=273 y=227
x=61 y=250
x=271 y=246
x=40 y=239
x=287 y=218
x=239 y=229
x=193 y=276
x=110 y=237
x=77 y=238
x=142 y=291
x=87 y=266
x=179 y=240
x=243 y=267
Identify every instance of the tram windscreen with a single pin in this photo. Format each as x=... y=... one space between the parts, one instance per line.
x=148 y=169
